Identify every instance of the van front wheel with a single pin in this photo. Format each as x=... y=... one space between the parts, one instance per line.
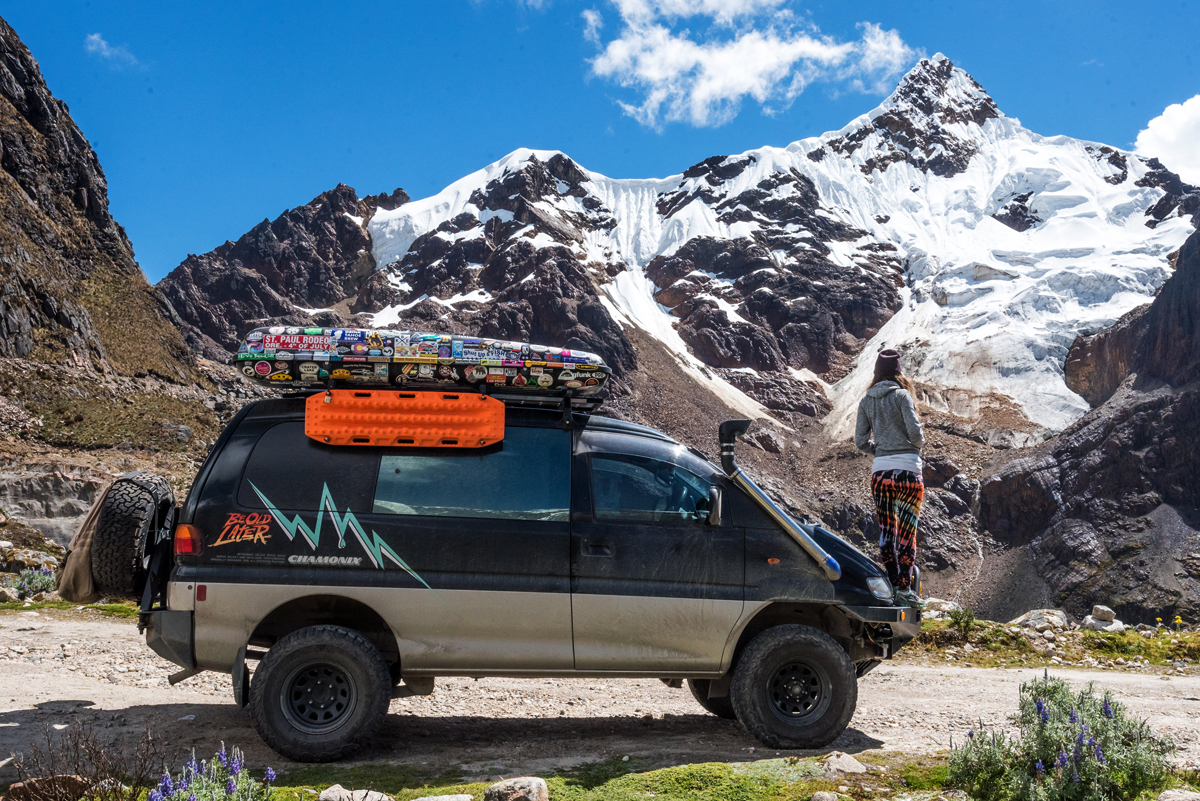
x=318 y=692
x=794 y=687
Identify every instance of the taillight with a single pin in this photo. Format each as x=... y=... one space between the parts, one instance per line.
x=188 y=541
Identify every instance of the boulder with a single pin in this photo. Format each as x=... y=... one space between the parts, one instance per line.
x=1113 y=626
x=824 y=795
x=1174 y=795
x=940 y=605
x=339 y=793
x=1103 y=613
x=66 y=786
x=768 y=440
x=936 y=470
x=837 y=762
x=1041 y=620
x=458 y=797
x=7 y=595
x=27 y=558
x=526 y=788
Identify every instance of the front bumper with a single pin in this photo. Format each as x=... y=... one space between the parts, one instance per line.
x=170 y=635
x=898 y=624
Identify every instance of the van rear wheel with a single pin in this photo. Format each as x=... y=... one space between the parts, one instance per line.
x=123 y=531
x=721 y=707
x=319 y=692
x=794 y=687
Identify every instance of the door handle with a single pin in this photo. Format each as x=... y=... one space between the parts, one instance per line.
x=599 y=548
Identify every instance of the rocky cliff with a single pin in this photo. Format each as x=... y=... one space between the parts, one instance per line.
x=1108 y=509
x=70 y=290
x=305 y=267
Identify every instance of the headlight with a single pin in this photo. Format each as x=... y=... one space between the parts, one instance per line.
x=880 y=587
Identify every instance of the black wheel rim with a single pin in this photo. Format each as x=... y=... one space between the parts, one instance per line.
x=798 y=692
x=319 y=697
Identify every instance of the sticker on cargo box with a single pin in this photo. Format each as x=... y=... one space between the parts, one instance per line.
x=296 y=341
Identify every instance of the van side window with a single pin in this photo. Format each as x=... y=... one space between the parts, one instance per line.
x=293 y=472
x=527 y=476
x=643 y=490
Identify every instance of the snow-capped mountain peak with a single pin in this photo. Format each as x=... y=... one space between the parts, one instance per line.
x=933 y=223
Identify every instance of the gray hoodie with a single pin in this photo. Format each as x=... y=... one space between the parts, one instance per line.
x=889 y=413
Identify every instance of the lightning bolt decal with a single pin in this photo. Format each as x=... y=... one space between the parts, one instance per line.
x=375 y=548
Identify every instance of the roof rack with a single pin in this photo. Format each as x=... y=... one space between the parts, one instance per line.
x=334 y=358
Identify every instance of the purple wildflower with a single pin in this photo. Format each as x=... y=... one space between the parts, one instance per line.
x=165 y=785
x=1073 y=716
x=1075 y=778
x=230 y=787
x=235 y=767
x=192 y=797
x=154 y=795
x=1046 y=674
x=222 y=757
x=1062 y=759
x=270 y=775
x=1041 y=770
x=1107 y=709
x=1099 y=754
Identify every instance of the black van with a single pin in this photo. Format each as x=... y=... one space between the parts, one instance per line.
x=576 y=546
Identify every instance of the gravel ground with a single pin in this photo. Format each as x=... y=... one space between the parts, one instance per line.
x=60 y=667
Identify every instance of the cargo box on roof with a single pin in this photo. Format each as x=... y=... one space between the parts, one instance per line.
x=413 y=359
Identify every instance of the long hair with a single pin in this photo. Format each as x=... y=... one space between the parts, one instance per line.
x=904 y=381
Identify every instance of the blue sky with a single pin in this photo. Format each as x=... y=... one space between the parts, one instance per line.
x=210 y=117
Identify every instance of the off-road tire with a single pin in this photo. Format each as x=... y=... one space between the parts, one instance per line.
x=721 y=707
x=317 y=653
x=122 y=531
x=784 y=658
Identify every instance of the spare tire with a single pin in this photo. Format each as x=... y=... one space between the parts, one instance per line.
x=126 y=523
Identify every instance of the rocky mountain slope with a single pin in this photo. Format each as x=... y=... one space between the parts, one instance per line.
x=1108 y=509
x=98 y=379
x=308 y=264
x=71 y=292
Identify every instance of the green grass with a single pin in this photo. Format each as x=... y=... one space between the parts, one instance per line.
x=124 y=609
x=73 y=421
x=784 y=779
x=995 y=646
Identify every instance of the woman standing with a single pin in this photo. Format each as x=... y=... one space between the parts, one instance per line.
x=888 y=415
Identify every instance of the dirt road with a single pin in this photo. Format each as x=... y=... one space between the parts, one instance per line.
x=61 y=667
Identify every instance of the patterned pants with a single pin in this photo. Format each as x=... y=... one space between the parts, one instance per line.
x=898 y=495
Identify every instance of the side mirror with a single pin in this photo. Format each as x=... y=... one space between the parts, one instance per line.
x=715 y=494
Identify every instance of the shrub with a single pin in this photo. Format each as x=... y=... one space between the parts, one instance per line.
x=225 y=778
x=113 y=774
x=29 y=582
x=1071 y=747
x=962 y=620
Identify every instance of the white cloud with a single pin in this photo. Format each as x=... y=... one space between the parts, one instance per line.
x=592 y=23
x=118 y=56
x=751 y=48
x=1174 y=137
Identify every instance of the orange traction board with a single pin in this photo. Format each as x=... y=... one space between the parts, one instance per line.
x=406 y=419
